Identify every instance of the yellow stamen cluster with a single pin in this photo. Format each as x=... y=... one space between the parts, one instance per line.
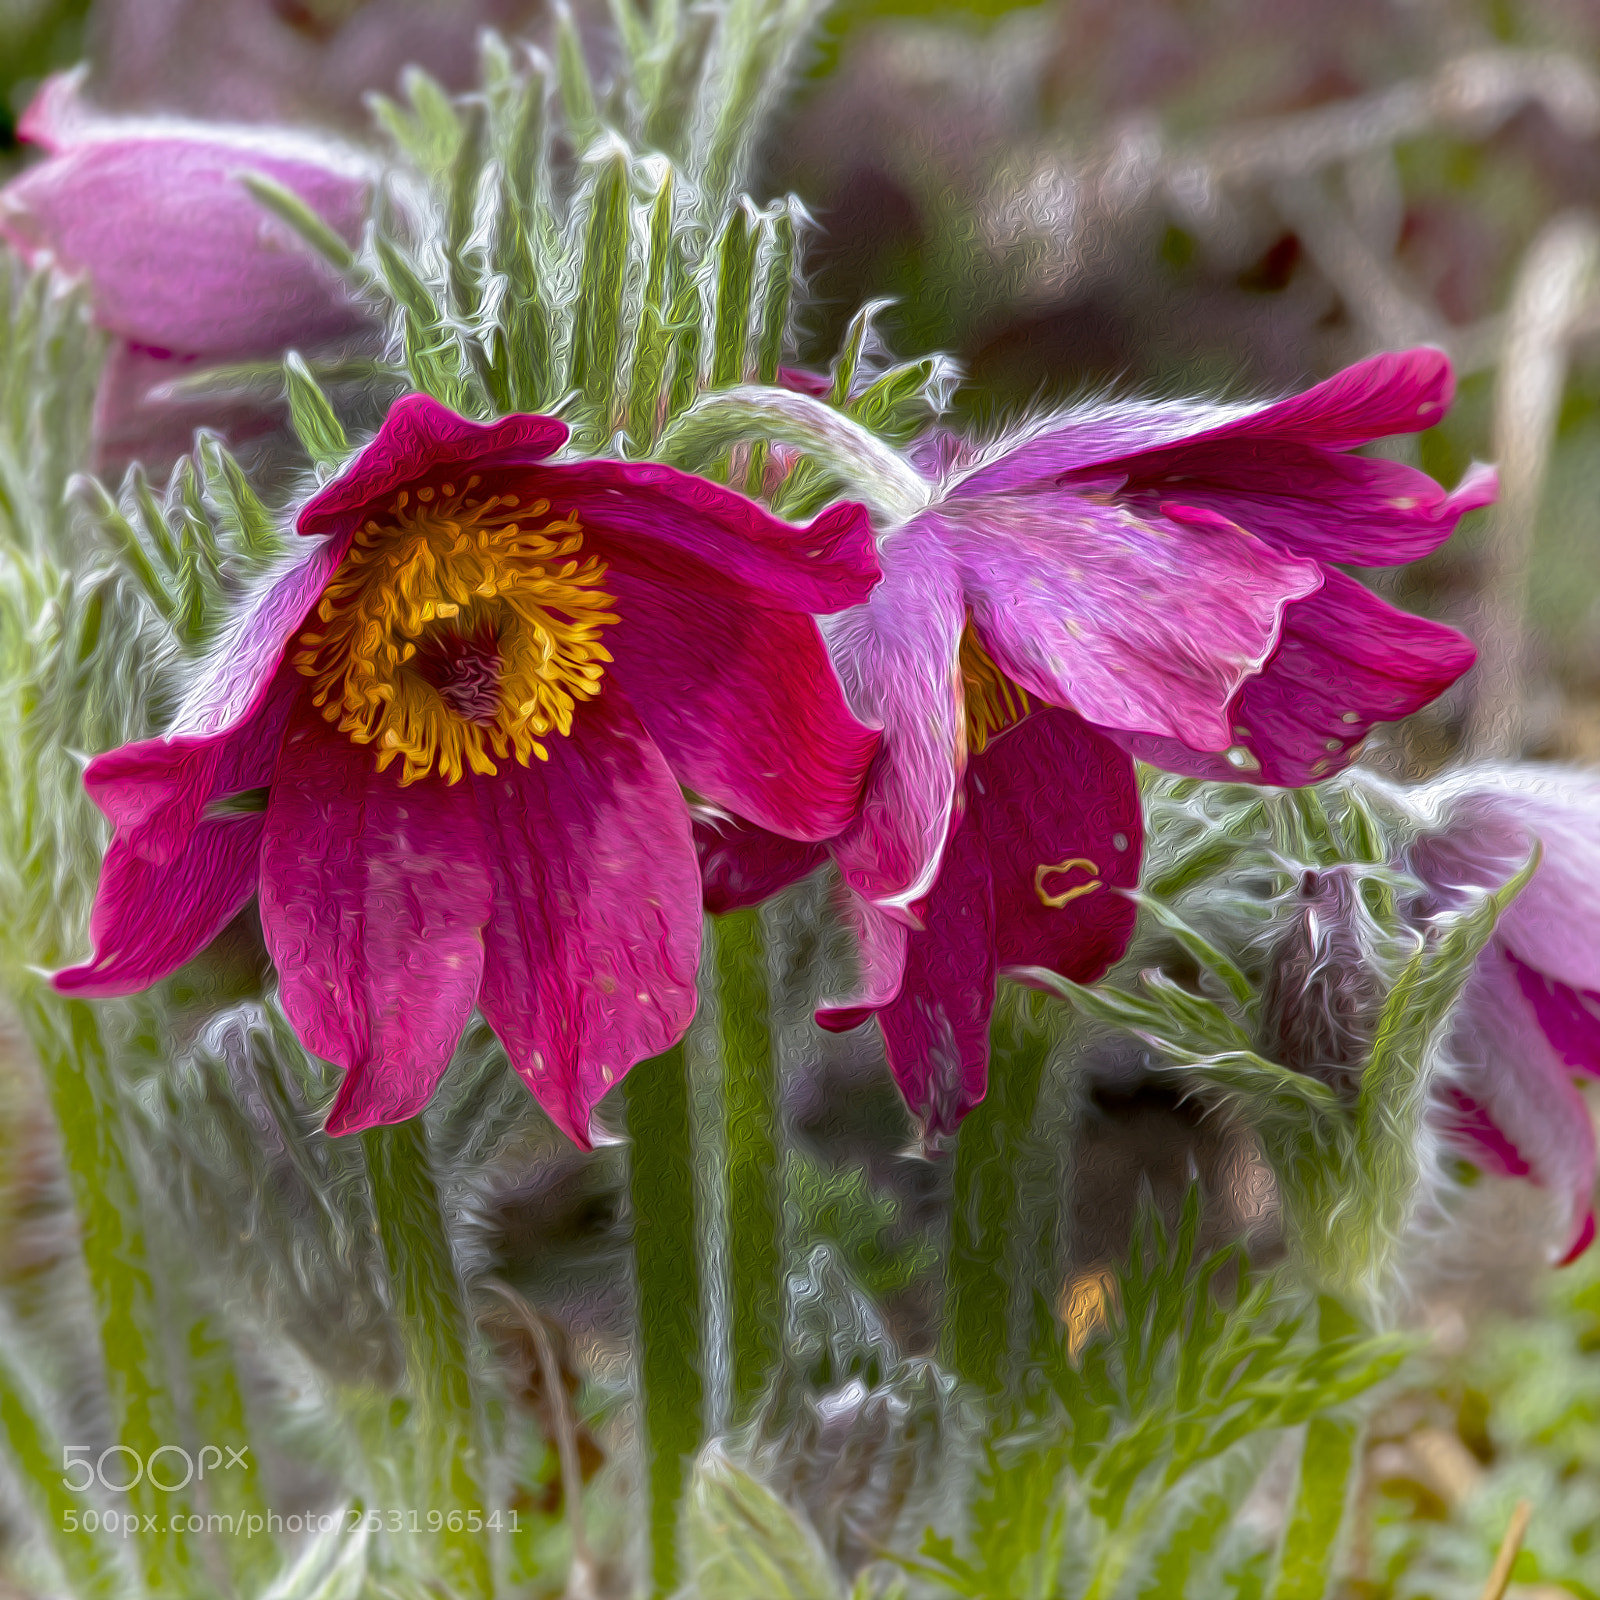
x=994 y=703
x=460 y=631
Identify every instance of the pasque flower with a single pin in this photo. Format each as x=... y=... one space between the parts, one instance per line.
x=1528 y=1023
x=1160 y=575
x=183 y=264
x=470 y=702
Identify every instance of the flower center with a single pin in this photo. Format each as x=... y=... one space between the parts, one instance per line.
x=994 y=703
x=463 y=630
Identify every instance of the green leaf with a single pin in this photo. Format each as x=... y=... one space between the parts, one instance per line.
x=429 y=133
x=730 y=338
x=1329 y=1464
x=653 y=341
x=318 y=428
x=289 y=207
x=254 y=532
x=742 y=1541
x=577 y=88
x=1197 y=946
x=597 y=326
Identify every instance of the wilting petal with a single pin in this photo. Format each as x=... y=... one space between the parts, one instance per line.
x=178 y=253
x=936 y=1029
x=590 y=956
x=1149 y=625
x=1057 y=806
x=742 y=865
x=1402 y=392
x=1513 y=1081
x=744 y=704
x=898 y=657
x=373 y=901
x=233 y=683
x=149 y=918
x=1347 y=660
x=421 y=440
x=675 y=528
x=156 y=791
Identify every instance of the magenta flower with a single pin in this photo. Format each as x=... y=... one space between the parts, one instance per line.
x=184 y=265
x=471 y=701
x=1161 y=575
x=1529 y=1019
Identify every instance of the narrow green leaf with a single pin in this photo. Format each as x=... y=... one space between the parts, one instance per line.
x=289 y=207
x=652 y=343
x=89 y=1561
x=577 y=88
x=255 y=532
x=848 y=361
x=597 y=327
x=667 y=1275
x=750 y=1101
x=429 y=132
x=131 y=547
x=316 y=425
x=1328 y=1469
x=777 y=290
x=730 y=339
x=1199 y=947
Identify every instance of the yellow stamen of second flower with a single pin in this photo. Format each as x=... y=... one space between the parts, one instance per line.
x=994 y=703
x=461 y=631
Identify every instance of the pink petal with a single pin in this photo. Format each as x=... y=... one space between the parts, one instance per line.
x=881 y=944
x=1514 y=1104
x=373 y=901
x=421 y=439
x=155 y=792
x=936 y=1029
x=898 y=658
x=590 y=955
x=744 y=704
x=1570 y=1018
x=741 y=865
x=1347 y=660
x=674 y=528
x=1310 y=500
x=178 y=253
x=241 y=667
x=1057 y=805
x=1149 y=625
x=1386 y=394
x=149 y=917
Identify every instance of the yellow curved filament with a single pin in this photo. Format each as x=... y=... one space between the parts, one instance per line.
x=1077 y=891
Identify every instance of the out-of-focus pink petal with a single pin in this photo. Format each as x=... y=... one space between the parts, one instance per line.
x=156 y=791
x=742 y=865
x=422 y=440
x=936 y=1029
x=178 y=253
x=590 y=955
x=744 y=704
x=1312 y=501
x=899 y=658
x=373 y=901
x=1510 y=1080
x=1346 y=660
x=675 y=528
x=1057 y=807
x=1570 y=1018
x=149 y=918
x=1402 y=392
x=1150 y=625
x=242 y=666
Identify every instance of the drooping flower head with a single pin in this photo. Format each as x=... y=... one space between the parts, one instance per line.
x=470 y=703
x=1160 y=576
x=1528 y=1024
x=184 y=265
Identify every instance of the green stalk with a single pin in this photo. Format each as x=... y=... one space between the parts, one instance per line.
x=1329 y=1462
x=71 y=1049
x=750 y=1107
x=429 y=1310
x=667 y=1270
x=986 y=1221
